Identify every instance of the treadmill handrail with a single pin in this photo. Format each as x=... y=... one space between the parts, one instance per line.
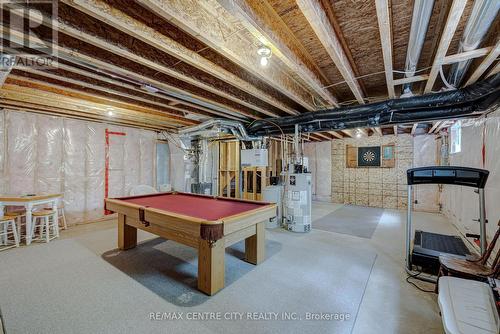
x=455 y=175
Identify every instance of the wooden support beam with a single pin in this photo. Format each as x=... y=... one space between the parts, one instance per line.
x=72 y=55
x=173 y=102
x=47 y=110
x=395 y=129
x=102 y=11
x=123 y=52
x=384 y=25
x=12 y=92
x=434 y=126
x=411 y=79
x=467 y=55
x=494 y=70
x=321 y=135
x=336 y=134
x=202 y=26
x=348 y=133
x=443 y=125
x=414 y=129
x=485 y=64
x=452 y=21
x=378 y=131
x=262 y=21
x=319 y=22
x=164 y=111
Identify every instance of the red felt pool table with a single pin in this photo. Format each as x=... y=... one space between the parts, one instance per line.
x=207 y=223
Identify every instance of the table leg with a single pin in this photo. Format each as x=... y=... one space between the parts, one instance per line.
x=55 y=217
x=127 y=235
x=28 y=235
x=255 y=246
x=211 y=266
x=3 y=240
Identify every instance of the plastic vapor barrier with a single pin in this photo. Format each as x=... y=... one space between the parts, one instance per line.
x=461 y=204
x=48 y=154
x=320 y=166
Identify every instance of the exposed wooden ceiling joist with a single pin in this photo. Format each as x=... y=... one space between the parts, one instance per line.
x=336 y=134
x=100 y=99
x=319 y=22
x=72 y=55
x=435 y=126
x=466 y=55
x=485 y=64
x=118 y=19
x=494 y=70
x=47 y=110
x=411 y=79
x=452 y=21
x=192 y=18
x=384 y=24
x=414 y=129
x=156 y=66
x=172 y=102
x=266 y=25
x=12 y=92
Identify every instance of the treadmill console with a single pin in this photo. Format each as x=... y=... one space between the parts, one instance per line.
x=464 y=176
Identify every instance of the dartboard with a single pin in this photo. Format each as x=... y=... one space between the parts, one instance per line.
x=369 y=156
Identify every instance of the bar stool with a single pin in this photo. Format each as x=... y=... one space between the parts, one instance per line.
x=5 y=223
x=44 y=221
x=18 y=219
x=61 y=217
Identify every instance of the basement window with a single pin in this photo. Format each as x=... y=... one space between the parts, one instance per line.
x=456 y=137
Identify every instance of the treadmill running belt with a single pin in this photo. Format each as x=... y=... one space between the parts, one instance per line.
x=443 y=243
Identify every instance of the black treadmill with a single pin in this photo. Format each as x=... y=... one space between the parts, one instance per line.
x=427 y=246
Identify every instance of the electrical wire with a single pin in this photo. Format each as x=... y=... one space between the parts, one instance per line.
x=415 y=285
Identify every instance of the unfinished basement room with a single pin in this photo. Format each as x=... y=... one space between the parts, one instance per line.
x=250 y=166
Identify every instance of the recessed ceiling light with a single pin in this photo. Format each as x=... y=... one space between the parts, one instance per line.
x=110 y=113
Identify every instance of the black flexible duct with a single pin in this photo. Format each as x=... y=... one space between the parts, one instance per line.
x=470 y=101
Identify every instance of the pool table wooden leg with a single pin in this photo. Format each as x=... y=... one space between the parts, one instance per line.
x=211 y=266
x=127 y=235
x=255 y=246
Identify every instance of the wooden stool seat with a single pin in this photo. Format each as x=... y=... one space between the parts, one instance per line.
x=454 y=265
x=15 y=213
x=42 y=213
x=6 y=223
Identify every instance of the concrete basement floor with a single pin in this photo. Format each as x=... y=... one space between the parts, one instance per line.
x=389 y=304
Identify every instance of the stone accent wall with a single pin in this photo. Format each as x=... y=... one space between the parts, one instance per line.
x=377 y=187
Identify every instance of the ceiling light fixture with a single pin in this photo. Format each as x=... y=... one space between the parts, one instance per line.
x=110 y=113
x=358 y=134
x=265 y=53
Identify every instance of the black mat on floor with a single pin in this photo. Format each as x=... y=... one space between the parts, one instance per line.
x=359 y=221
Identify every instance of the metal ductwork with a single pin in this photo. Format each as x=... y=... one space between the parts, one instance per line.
x=214 y=127
x=482 y=16
x=422 y=11
x=471 y=101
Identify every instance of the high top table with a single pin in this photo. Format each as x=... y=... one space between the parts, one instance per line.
x=29 y=201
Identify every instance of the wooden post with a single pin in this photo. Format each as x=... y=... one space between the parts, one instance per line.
x=255 y=246
x=127 y=235
x=211 y=266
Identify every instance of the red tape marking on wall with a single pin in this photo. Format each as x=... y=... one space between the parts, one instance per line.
x=106 y=166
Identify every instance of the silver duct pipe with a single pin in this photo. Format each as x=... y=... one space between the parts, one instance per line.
x=214 y=126
x=422 y=11
x=481 y=18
